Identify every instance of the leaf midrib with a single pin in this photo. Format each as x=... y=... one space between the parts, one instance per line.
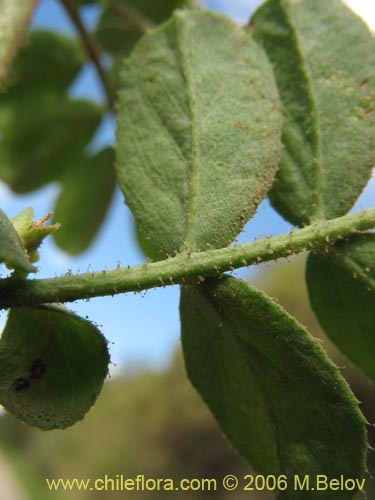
x=318 y=211
x=190 y=210
x=262 y=392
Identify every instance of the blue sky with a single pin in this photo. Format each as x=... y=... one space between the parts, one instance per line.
x=144 y=328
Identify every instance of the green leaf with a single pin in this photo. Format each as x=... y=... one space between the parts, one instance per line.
x=324 y=62
x=147 y=247
x=52 y=366
x=115 y=35
x=198 y=131
x=341 y=287
x=15 y=16
x=277 y=396
x=84 y=200
x=12 y=253
x=32 y=233
x=124 y=21
x=48 y=59
x=42 y=136
x=43 y=132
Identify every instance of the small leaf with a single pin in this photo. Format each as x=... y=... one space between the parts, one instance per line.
x=15 y=16
x=324 y=62
x=52 y=366
x=12 y=253
x=341 y=287
x=277 y=396
x=124 y=21
x=22 y=221
x=84 y=200
x=42 y=136
x=32 y=233
x=198 y=131
x=48 y=59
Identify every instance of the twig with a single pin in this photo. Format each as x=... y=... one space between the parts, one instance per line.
x=91 y=50
x=174 y=270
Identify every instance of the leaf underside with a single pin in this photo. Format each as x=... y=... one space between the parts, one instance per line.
x=277 y=396
x=52 y=366
x=341 y=287
x=324 y=62
x=198 y=131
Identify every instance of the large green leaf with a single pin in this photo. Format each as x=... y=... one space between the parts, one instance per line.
x=198 y=131
x=324 y=62
x=277 y=396
x=124 y=21
x=14 y=18
x=341 y=287
x=52 y=366
x=42 y=136
x=48 y=59
x=83 y=202
x=12 y=252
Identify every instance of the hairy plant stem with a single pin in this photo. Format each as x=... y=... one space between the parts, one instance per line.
x=91 y=50
x=181 y=268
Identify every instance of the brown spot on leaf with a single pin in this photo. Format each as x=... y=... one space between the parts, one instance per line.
x=20 y=384
x=37 y=369
x=36 y=372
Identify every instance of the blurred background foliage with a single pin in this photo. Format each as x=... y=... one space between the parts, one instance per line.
x=49 y=136
x=153 y=423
